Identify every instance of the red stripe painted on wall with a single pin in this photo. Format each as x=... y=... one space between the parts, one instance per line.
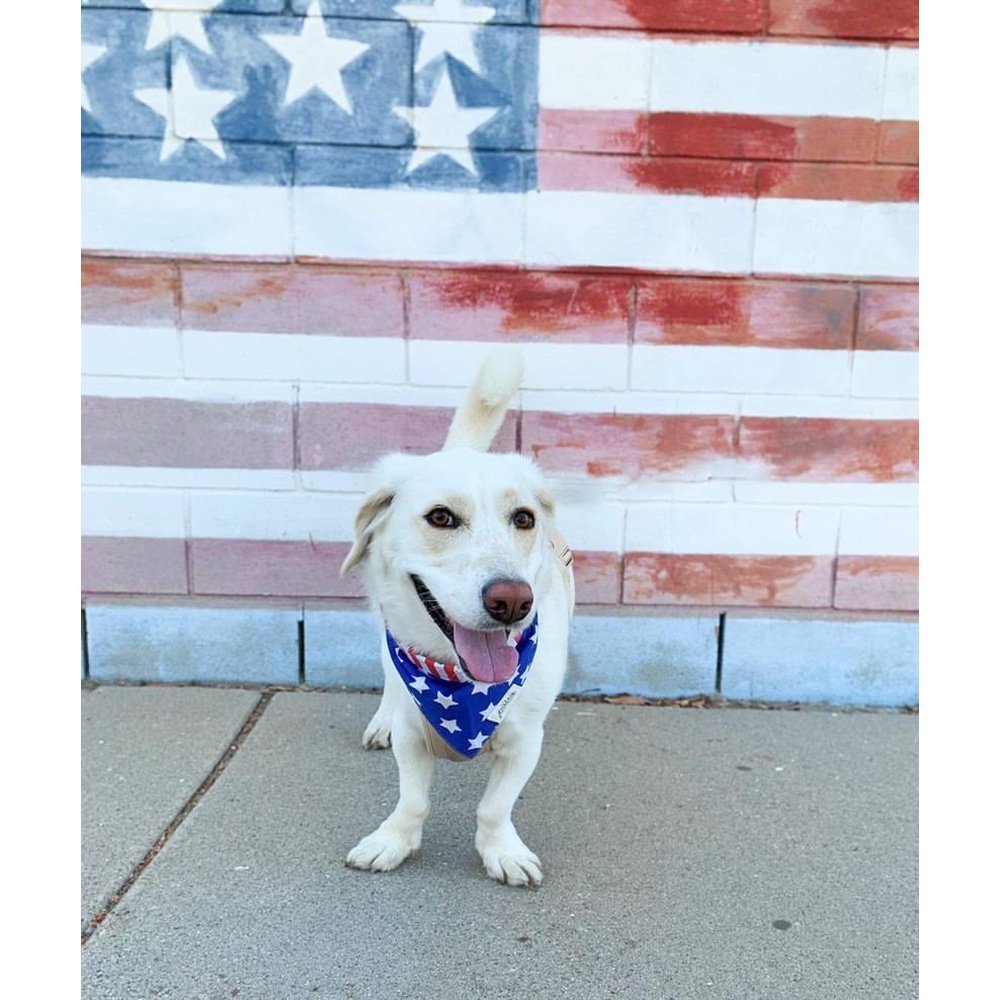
x=753 y=137
x=468 y=303
x=721 y=580
x=129 y=292
x=184 y=434
x=887 y=19
x=887 y=583
x=292 y=299
x=743 y=16
x=133 y=565
x=866 y=19
x=516 y=305
x=887 y=318
x=745 y=313
x=348 y=436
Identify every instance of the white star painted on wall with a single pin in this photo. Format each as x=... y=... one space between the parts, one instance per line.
x=89 y=54
x=443 y=127
x=179 y=17
x=189 y=111
x=317 y=60
x=446 y=26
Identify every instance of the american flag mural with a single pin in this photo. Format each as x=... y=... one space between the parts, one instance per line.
x=304 y=221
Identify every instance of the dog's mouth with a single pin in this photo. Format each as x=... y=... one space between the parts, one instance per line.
x=487 y=656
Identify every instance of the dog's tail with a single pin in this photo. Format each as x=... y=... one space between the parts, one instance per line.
x=481 y=413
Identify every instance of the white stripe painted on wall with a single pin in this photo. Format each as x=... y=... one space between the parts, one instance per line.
x=767 y=78
x=546 y=366
x=757 y=370
x=287 y=517
x=587 y=71
x=717 y=529
x=687 y=233
x=886 y=373
x=548 y=400
x=901 y=99
x=836 y=238
x=873 y=531
x=387 y=224
x=131 y=215
x=723 y=528
x=661 y=231
x=133 y=513
x=303 y=357
x=584 y=495
x=640 y=72
x=130 y=350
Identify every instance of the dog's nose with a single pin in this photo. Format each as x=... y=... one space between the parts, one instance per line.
x=507 y=601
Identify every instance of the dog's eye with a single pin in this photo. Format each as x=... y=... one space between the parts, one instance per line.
x=441 y=517
x=523 y=519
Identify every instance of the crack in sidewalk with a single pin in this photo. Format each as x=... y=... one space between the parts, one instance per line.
x=199 y=793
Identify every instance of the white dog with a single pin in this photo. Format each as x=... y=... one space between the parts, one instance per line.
x=463 y=562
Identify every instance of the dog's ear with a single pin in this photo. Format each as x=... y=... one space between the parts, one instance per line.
x=373 y=512
x=389 y=473
x=546 y=501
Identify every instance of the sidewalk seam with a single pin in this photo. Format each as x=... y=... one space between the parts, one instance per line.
x=199 y=793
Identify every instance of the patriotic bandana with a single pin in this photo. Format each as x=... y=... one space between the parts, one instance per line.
x=461 y=710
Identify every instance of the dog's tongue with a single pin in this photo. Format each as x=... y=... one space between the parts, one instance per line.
x=485 y=655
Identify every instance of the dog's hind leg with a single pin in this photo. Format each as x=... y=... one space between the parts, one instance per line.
x=506 y=857
x=378 y=732
x=400 y=834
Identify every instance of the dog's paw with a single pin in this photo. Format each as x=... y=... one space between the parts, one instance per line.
x=382 y=851
x=511 y=862
x=377 y=735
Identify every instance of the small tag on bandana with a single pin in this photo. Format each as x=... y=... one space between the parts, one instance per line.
x=461 y=710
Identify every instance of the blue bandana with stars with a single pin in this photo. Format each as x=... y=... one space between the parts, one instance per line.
x=462 y=711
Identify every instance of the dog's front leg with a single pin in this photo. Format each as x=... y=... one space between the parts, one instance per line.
x=399 y=836
x=506 y=857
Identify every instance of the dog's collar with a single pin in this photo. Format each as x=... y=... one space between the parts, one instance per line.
x=463 y=712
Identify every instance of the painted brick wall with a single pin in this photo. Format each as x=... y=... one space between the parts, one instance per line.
x=699 y=219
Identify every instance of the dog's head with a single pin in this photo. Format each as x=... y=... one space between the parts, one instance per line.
x=455 y=551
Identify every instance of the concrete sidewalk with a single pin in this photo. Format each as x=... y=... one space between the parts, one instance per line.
x=689 y=853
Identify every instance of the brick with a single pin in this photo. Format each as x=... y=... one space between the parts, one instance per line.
x=888 y=318
x=133 y=293
x=598 y=577
x=838 y=182
x=133 y=565
x=279 y=298
x=723 y=581
x=183 y=433
x=743 y=313
x=669 y=657
x=818 y=449
x=890 y=19
x=505 y=305
x=353 y=435
x=838 y=662
x=247 y=645
x=658 y=15
x=599 y=172
x=270 y=568
x=343 y=647
x=752 y=137
x=610 y=131
x=898 y=142
x=877 y=583
x=624 y=444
